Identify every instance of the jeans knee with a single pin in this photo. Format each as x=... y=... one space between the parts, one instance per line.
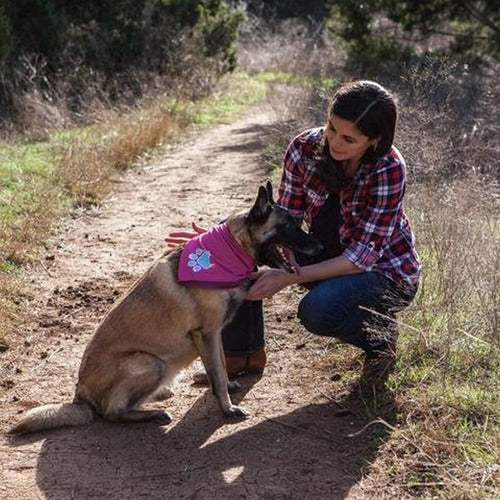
x=310 y=317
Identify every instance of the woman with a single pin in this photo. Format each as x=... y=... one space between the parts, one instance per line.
x=347 y=181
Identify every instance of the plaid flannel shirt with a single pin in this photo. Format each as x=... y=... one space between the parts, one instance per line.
x=375 y=232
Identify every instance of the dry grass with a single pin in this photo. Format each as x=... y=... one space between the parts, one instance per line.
x=87 y=166
x=290 y=46
x=447 y=379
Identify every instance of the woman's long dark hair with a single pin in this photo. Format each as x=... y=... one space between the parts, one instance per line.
x=374 y=112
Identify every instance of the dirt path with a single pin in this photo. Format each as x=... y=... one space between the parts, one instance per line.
x=295 y=443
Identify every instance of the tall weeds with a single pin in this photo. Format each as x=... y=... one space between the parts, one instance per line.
x=86 y=166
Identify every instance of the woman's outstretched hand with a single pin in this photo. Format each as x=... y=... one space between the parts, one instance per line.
x=269 y=282
x=180 y=237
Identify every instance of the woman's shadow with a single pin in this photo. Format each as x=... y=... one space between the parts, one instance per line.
x=301 y=454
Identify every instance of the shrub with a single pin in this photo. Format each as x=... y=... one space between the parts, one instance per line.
x=111 y=51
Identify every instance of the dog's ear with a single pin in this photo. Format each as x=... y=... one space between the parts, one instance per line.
x=261 y=208
x=269 y=189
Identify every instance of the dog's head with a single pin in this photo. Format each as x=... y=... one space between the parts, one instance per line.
x=273 y=230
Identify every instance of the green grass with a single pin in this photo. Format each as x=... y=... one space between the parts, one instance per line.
x=9 y=268
x=298 y=80
x=70 y=135
x=225 y=105
x=23 y=169
x=449 y=374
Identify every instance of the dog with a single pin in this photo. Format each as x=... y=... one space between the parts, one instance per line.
x=160 y=326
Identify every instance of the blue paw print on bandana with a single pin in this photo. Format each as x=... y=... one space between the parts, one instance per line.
x=199 y=260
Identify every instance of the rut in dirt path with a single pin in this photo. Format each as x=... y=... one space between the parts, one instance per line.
x=295 y=443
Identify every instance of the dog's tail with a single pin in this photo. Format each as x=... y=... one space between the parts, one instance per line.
x=53 y=416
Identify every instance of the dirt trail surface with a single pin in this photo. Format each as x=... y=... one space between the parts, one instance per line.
x=294 y=444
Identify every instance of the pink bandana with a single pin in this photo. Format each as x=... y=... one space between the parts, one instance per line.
x=214 y=260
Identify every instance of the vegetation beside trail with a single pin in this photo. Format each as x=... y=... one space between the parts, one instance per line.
x=64 y=59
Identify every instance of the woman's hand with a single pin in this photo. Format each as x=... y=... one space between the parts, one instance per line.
x=269 y=282
x=181 y=237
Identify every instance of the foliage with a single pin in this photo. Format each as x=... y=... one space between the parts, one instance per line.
x=287 y=9
x=46 y=42
x=391 y=30
x=4 y=33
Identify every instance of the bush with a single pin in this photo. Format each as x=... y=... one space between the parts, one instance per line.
x=109 y=51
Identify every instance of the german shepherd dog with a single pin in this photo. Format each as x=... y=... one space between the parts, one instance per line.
x=160 y=327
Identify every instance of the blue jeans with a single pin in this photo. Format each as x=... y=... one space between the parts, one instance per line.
x=356 y=308
x=245 y=333
x=344 y=307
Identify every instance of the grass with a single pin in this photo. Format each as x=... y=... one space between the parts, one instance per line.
x=74 y=168
x=453 y=375
x=22 y=168
x=226 y=103
x=299 y=80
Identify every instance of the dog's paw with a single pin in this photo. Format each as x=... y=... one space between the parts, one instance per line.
x=236 y=412
x=233 y=386
x=163 y=393
x=161 y=417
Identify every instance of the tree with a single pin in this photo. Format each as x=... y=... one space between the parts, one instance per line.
x=63 y=40
x=468 y=28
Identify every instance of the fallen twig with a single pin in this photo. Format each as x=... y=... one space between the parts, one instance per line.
x=45 y=269
x=319 y=436
x=46 y=360
x=341 y=406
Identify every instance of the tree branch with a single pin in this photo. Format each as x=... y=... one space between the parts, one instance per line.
x=480 y=16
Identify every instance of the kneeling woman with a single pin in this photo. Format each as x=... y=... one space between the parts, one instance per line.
x=347 y=181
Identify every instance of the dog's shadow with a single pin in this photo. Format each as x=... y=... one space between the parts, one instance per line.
x=306 y=453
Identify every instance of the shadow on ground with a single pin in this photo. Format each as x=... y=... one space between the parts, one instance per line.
x=306 y=453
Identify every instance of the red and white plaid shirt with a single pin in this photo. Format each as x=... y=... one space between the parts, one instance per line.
x=375 y=232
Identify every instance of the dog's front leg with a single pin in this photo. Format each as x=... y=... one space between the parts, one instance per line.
x=209 y=346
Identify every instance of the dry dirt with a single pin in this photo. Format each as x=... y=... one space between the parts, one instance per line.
x=294 y=444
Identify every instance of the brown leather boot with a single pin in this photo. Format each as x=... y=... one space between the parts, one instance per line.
x=252 y=363
x=235 y=364
x=256 y=361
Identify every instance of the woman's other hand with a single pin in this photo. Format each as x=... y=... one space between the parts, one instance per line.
x=269 y=282
x=181 y=237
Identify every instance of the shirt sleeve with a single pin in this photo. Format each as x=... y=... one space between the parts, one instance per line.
x=291 y=189
x=381 y=215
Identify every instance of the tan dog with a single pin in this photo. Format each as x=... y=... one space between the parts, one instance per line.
x=160 y=326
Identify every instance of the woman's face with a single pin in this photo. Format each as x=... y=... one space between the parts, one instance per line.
x=345 y=141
